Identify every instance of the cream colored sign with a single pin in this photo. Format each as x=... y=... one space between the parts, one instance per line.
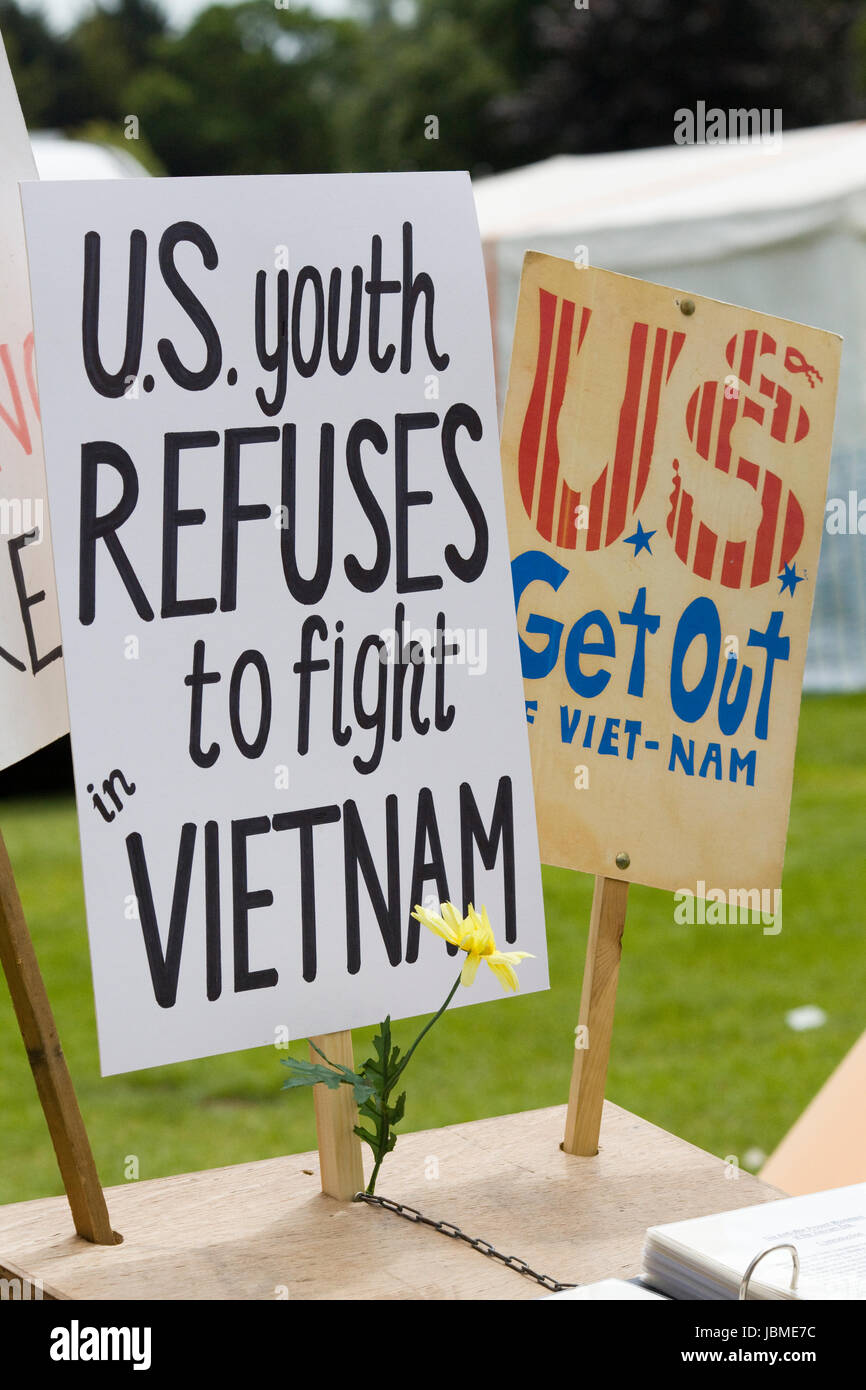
x=665 y=462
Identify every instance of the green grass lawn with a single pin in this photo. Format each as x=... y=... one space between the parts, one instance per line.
x=700 y=1044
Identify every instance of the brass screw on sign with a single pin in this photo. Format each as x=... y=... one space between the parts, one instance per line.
x=687 y=306
x=622 y=860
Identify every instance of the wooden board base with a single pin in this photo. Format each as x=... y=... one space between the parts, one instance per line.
x=265 y=1231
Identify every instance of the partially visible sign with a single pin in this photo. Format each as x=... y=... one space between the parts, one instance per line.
x=32 y=696
x=293 y=672
x=665 y=462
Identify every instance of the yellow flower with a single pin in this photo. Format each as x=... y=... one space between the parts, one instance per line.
x=474 y=935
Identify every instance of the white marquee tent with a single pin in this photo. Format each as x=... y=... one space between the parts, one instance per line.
x=60 y=158
x=780 y=227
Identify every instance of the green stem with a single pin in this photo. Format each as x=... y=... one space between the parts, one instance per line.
x=385 y=1128
x=426 y=1029
x=380 y=1157
x=331 y=1064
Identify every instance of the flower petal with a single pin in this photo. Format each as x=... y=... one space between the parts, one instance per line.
x=453 y=919
x=469 y=940
x=482 y=930
x=503 y=972
x=470 y=968
x=436 y=924
x=510 y=957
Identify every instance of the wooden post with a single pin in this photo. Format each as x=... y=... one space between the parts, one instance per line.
x=597 y=1004
x=340 y=1166
x=48 y=1064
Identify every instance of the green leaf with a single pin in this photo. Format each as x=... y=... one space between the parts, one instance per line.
x=370 y=1111
x=314 y=1074
x=361 y=1089
x=397 y=1111
x=371 y=1139
x=309 y=1074
x=383 y=1069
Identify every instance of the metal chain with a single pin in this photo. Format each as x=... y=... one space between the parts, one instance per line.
x=448 y=1229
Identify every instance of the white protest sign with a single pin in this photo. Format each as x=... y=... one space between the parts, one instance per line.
x=283 y=572
x=32 y=697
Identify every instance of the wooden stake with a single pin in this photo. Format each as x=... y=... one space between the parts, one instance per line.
x=597 y=1004
x=48 y=1064
x=340 y=1166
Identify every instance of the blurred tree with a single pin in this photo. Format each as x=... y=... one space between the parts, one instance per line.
x=611 y=76
x=513 y=81
x=427 y=84
x=109 y=46
x=246 y=89
x=43 y=65
x=505 y=30
x=422 y=93
x=431 y=84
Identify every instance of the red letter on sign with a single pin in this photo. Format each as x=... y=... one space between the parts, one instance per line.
x=618 y=489
x=711 y=415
